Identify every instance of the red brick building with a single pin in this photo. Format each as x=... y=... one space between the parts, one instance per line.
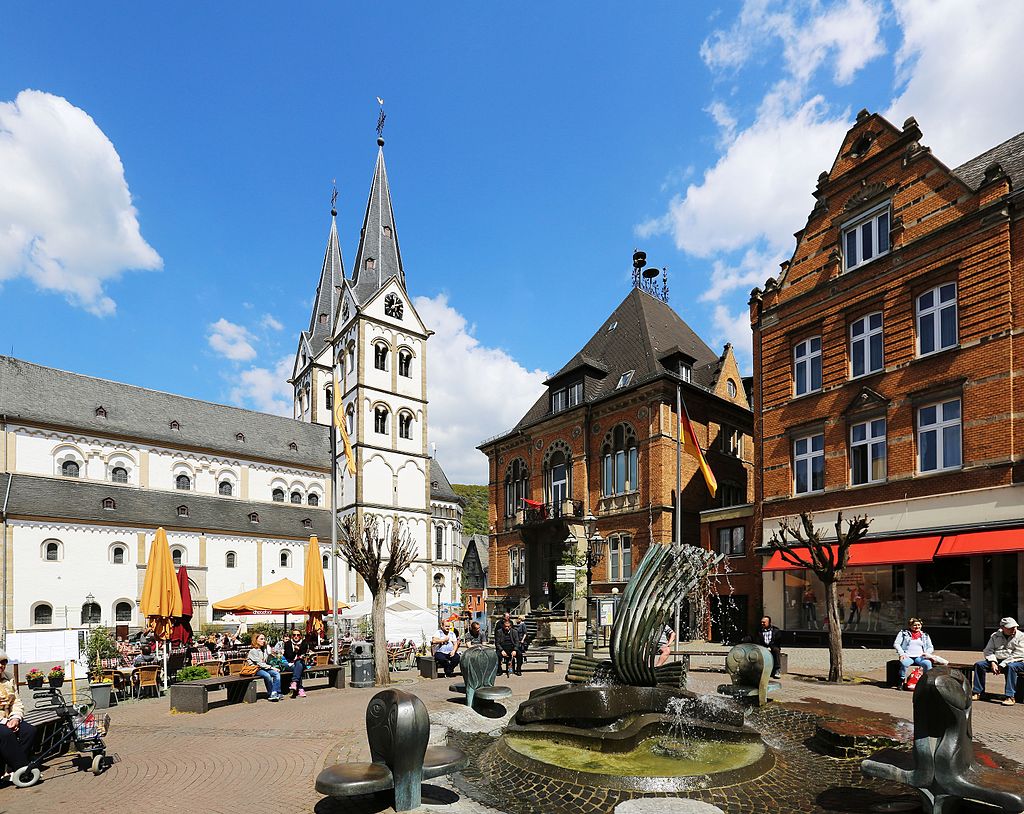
x=888 y=382
x=601 y=440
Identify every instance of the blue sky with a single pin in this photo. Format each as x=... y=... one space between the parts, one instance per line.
x=529 y=151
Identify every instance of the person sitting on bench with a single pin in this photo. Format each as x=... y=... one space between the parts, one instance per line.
x=1004 y=653
x=914 y=648
x=446 y=648
x=16 y=736
x=509 y=648
x=296 y=652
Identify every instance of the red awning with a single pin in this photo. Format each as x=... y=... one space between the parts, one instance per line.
x=999 y=541
x=878 y=552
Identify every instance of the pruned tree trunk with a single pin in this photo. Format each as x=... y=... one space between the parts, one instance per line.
x=835 y=632
x=382 y=674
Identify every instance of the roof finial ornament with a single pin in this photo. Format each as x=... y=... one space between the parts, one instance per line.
x=380 y=122
x=334 y=198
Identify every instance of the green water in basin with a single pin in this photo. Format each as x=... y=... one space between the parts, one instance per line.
x=657 y=756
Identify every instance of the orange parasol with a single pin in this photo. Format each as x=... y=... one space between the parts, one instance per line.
x=315 y=602
x=161 y=598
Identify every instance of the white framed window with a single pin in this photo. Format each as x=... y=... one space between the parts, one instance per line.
x=809 y=464
x=566 y=397
x=118 y=554
x=52 y=551
x=620 y=557
x=515 y=486
x=866 y=345
x=70 y=469
x=732 y=541
x=517 y=566
x=230 y=560
x=277 y=495
x=619 y=460
x=807 y=366
x=867 y=238
x=732 y=441
x=183 y=483
x=119 y=475
x=295 y=498
x=867 y=452
x=225 y=488
x=939 y=436
x=625 y=379
x=936 y=319
x=326 y=560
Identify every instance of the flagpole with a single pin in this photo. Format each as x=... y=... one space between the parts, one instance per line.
x=334 y=535
x=677 y=542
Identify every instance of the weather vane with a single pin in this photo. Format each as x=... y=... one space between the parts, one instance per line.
x=334 y=196
x=381 y=118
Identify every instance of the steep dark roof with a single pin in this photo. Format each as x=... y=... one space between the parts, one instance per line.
x=78 y=501
x=373 y=243
x=634 y=337
x=332 y=276
x=440 y=487
x=47 y=395
x=1009 y=155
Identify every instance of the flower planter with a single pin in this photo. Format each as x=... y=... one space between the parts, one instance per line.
x=56 y=683
x=34 y=683
x=100 y=695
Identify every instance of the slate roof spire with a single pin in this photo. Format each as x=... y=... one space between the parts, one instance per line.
x=328 y=290
x=378 y=257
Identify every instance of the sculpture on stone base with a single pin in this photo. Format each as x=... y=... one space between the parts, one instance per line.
x=749 y=668
x=941 y=764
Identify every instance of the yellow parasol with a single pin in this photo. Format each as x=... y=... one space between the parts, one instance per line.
x=315 y=602
x=161 y=597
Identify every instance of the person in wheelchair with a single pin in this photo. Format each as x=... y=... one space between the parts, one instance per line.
x=16 y=736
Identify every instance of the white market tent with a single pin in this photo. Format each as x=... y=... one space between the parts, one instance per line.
x=403 y=618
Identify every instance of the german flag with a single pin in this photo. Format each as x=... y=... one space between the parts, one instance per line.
x=690 y=445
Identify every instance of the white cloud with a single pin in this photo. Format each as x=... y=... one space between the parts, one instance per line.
x=956 y=61
x=754 y=267
x=66 y=217
x=474 y=391
x=268 y=321
x=265 y=389
x=231 y=341
x=732 y=326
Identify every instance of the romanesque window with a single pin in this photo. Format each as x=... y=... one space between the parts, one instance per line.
x=230 y=560
x=326 y=561
x=69 y=469
x=117 y=555
x=42 y=615
x=404 y=363
x=619 y=461
x=90 y=613
x=405 y=425
x=439 y=543
x=380 y=356
x=225 y=488
x=380 y=420
x=123 y=612
x=119 y=474
x=183 y=482
x=313 y=499
x=286 y=559
x=277 y=495
x=516 y=479
x=177 y=556
x=51 y=551
x=296 y=498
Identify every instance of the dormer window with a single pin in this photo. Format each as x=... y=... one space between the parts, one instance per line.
x=566 y=397
x=175 y=426
x=183 y=511
x=101 y=412
x=307 y=523
x=387 y=231
x=866 y=238
x=293 y=446
x=370 y=264
x=109 y=504
x=240 y=437
x=625 y=379
x=254 y=517
x=323 y=319
x=685 y=372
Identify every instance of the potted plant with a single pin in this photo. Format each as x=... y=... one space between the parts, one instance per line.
x=35 y=678
x=101 y=693
x=56 y=676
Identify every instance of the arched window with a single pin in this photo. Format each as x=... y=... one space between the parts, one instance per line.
x=69 y=469
x=230 y=559
x=278 y=495
x=351 y=353
x=439 y=543
x=225 y=488
x=117 y=555
x=380 y=420
x=380 y=356
x=51 y=551
x=177 y=556
x=350 y=420
x=327 y=561
x=619 y=461
x=405 y=425
x=42 y=615
x=183 y=482
x=90 y=613
x=404 y=363
x=119 y=474
x=557 y=475
x=296 y=497
x=313 y=499
x=123 y=612
x=516 y=479
x=286 y=559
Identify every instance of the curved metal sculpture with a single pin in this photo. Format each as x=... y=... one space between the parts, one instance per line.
x=941 y=764
x=662 y=580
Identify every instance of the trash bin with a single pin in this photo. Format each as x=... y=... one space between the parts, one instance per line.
x=362 y=665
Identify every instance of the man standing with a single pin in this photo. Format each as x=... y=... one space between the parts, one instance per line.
x=1004 y=653
x=446 y=652
x=524 y=638
x=771 y=637
x=509 y=648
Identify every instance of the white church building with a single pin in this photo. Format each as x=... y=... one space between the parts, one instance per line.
x=89 y=468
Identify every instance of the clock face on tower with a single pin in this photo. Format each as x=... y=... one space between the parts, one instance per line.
x=393 y=306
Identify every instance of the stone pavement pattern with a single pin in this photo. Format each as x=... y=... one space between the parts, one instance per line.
x=216 y=762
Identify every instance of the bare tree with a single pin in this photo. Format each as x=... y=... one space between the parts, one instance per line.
x=379 y=552
x=801 y=544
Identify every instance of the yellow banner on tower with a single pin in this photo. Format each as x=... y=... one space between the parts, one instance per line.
x=339 y=422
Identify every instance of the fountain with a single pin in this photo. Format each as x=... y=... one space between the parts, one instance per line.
x=623 y=723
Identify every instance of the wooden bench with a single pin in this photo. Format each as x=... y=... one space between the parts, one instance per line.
x=685 y=655
x=194 y=696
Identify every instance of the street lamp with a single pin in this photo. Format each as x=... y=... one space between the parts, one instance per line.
x=438 y=586
x=595 y=553
x=89 y=600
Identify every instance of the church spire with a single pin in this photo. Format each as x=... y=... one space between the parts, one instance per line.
x=378 y=257
x=328 y=290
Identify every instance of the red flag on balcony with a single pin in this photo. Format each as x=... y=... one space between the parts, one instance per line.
x=533 y=504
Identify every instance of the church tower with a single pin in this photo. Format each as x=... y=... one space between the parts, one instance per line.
x=380 y=348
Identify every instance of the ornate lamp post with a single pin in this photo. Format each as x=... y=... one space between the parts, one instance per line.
x=89 y=601
x=439 y=586
x=595 y=553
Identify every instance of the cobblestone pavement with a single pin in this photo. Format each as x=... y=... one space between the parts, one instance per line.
x=216 y=762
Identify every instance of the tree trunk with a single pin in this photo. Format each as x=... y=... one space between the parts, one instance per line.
x=835 y=633
x=382 y=676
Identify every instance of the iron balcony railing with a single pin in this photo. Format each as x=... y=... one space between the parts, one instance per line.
x=551 y=511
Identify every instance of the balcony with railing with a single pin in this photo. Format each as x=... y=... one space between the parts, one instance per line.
x=535 y=513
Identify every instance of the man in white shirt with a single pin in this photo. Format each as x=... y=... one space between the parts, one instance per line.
x=1004 y=653
x=446 y=648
